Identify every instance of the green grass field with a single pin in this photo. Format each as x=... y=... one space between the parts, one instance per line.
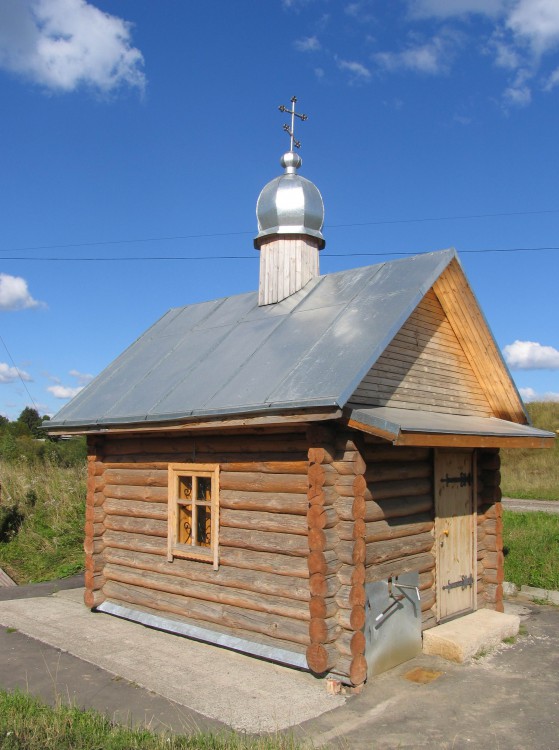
x=534 y=473
x=28 y=724
x=531 y=547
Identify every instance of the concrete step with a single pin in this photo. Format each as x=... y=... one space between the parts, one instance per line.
x=460 y=639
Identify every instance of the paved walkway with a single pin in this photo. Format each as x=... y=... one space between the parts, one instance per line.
x=545 y=506
x=508 y=699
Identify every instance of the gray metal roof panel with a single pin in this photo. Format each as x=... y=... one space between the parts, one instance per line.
x=230 y=355
x=393 y=420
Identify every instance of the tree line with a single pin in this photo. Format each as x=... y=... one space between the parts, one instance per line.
x=26 y=439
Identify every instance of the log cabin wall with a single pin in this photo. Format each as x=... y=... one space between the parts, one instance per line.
x=399 y=517
x=261 y=590
x=490 y=559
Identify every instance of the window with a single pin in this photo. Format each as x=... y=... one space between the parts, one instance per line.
x=193 y=512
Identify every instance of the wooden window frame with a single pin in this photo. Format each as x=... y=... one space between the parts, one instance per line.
x=192 y=551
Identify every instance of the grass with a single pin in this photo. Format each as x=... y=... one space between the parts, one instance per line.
x=534 y=474
x=28 y=724
x=531 y=546
x=42 y=514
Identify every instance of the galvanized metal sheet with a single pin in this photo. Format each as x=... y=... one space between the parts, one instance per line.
x=394 y=420
x=230 y=355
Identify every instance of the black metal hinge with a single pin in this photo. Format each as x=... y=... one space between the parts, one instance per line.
x=462 y=583
x=464 y=480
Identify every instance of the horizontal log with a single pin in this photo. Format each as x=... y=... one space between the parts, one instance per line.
x=264 y=541
x=427 y=599
x=426 y=580
x=94 y=563
x=351 y=575
x=260 y=482
x=320 y=517
x=351 y=643
x=348 y=597
x=268 y=502
x=198 y=445
x=323 y=630
x=273 y=584
x=428 y=620
x=207 y=592
x=266 y=562
x=356 y=465
x=322 y=539
x=492 y=575
x=94 y=581
x=324 y=586
x=491 y=462
x=135 y=542
x=96 y=498
x=378 y=491
x=404 y=470
x=322 y=608
x=378 y=531
x=93 y=598
x=94 y=529
x=321 y=657
x=352 y=619
x=147 y=526
x=259 y=521
x=321 y=455
x=137 y=477
x=287 y=629
x=397 y=507
x=381 y=454
x=352 y=553
x=381 y=552
x=94 y=546
x=490 y=478
x=493 y=559
x=143 y=494
x=325 y=562
x=94 y=513
x=135 y=509
x=418 y=562
x=321 y=475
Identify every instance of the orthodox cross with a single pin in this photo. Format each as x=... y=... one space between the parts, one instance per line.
x=291 y=130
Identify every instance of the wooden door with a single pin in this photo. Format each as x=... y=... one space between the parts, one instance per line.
x=455 y=527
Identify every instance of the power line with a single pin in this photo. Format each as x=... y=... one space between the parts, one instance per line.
x=136 y=258
x=19 y=373
x=171 y=238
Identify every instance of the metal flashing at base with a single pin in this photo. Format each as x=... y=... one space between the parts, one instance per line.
x=280 y=655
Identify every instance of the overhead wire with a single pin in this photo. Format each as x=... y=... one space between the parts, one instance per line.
x=19 y=373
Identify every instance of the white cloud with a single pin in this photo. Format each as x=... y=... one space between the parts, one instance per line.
x=432 y=57
x=14 y=294
x=82 y=377
x=62 y=44
x=530 y=355
x=519 y=93
x=359 y=72
x=450 y=8
x=307 y=44
x=552 y=81
x=536 y=22
x=529 y=394
x=9 y=374
x=64 y=391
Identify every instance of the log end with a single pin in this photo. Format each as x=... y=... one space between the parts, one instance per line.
x=318 y=659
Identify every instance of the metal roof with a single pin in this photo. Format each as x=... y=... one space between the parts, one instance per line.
x=393 y=421
x=230 y=356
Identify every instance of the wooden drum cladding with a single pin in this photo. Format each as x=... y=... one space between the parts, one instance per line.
x=490 y=560
x=398 y=517
x=261 y=590
x=424 y=367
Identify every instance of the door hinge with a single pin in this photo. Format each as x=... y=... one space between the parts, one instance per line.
x=462 y=583
x=464 y=480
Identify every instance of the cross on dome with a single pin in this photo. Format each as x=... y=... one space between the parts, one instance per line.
x=291 y=130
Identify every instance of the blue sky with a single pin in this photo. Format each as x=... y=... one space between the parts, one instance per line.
x=133 y=131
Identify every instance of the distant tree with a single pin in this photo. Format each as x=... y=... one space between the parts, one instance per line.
x=3 y=422
x=30 y=417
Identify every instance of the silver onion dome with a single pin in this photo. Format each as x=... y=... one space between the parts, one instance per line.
x=290 y=204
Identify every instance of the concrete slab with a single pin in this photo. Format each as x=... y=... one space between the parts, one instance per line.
x=243 y=692
x=460 y=639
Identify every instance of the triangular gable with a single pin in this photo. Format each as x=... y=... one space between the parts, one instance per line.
x=443 y=359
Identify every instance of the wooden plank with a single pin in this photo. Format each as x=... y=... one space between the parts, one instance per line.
x=471 y=441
